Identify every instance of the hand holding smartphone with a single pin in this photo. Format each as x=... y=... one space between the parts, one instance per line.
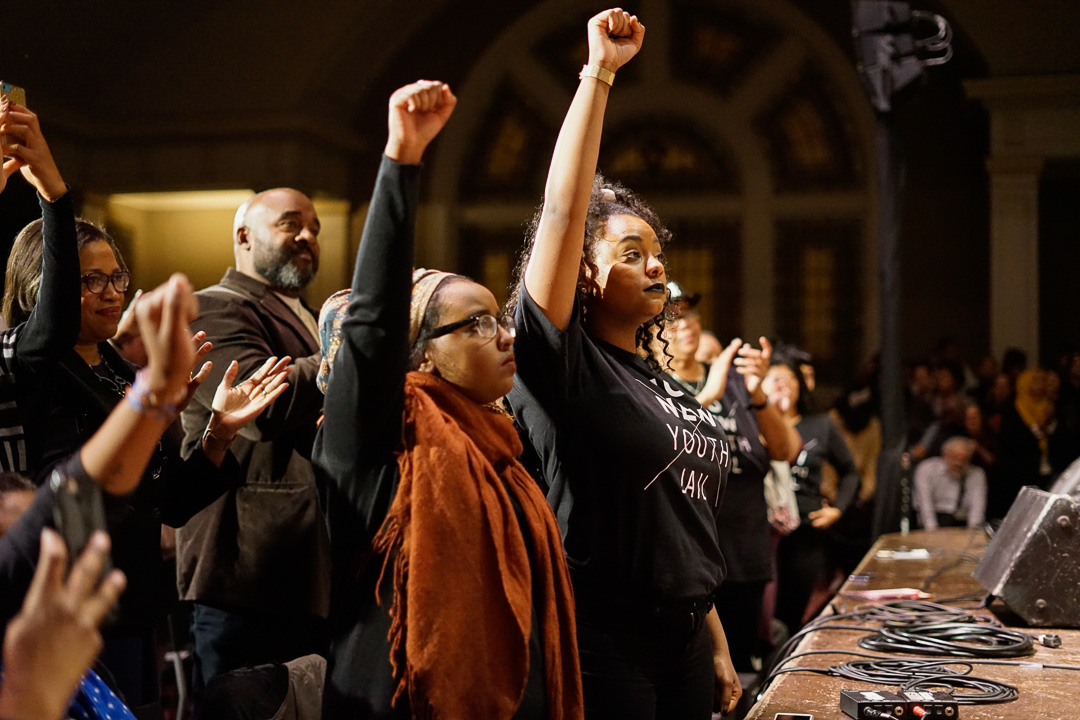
x=78 y=511
x=14 y=94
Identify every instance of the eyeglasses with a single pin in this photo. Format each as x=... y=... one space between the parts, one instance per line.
x=487 y=326
x=96 y=281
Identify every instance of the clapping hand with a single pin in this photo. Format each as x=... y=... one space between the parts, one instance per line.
x=24 y=144
x=418 y=112
x=235 y=407
x=202 y=349
x=614 y=37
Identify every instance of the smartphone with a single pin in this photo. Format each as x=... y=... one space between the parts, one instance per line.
x=793 y=716
x=15 y=94
x=78 y=511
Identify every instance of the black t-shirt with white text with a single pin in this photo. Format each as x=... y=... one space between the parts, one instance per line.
x=743 y=523
x=635 y=468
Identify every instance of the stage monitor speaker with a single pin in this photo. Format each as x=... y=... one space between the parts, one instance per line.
x=1033 y=562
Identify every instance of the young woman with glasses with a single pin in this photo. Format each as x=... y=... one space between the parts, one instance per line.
x=63 y=295
x=450 y=595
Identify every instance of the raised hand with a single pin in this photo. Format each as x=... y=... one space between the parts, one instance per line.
x=163 y=316
x=753 y=365
x=716 y=382
x=11 y=165
x=614 y=37
x=418 y=111
x=26 y=146
x=50 y=644
x=235 y=407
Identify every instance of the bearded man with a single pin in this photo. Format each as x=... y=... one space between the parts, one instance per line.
x=255 y=564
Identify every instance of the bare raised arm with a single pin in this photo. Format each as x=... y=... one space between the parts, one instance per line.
x=551 y=275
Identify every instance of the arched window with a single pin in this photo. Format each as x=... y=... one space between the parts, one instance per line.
x=741 y=122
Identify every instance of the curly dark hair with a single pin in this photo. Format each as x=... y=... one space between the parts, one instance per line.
x=609 y=198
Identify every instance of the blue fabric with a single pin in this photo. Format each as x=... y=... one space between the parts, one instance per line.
x=95 y=701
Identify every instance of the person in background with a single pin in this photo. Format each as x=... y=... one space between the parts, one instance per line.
x=255 y=564
x=1013 y=362
x=54 y=637
x=70 y=279
x=984 y=441
x=949 y=491
x=1027 y=441
x=730 y=389
x=985 y=373
x=806 y=558
x=918 y=400
x=16 y=494
x=708 y=349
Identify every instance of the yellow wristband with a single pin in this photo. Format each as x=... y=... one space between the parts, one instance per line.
x=596 y=71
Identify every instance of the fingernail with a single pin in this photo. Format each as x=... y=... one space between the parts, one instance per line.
x=100 y=541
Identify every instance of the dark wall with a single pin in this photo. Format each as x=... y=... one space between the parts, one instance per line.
x=1059 y=262
x=945 y=236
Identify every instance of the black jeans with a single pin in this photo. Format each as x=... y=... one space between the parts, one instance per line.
x=635 y=668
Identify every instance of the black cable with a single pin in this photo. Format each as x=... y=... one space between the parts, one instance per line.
x=923 y=628
x=920 y=674
x=917 y=674
x=955 y=639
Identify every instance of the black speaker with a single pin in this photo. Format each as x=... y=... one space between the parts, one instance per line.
x=1033 y=563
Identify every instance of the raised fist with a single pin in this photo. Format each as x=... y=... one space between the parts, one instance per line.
x=418 y=112
x=614 y=37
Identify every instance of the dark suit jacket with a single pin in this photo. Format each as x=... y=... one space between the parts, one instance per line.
x=264 y=545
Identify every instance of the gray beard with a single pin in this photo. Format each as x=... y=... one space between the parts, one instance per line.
x=283 y=273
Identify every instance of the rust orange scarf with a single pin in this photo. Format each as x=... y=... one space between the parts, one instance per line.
x=463 y=598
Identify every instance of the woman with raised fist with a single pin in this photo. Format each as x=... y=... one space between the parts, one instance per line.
x=634 y=467
x=450 y=595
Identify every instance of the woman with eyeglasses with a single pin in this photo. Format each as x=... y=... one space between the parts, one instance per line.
x=450 y=596
x=63 y=294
